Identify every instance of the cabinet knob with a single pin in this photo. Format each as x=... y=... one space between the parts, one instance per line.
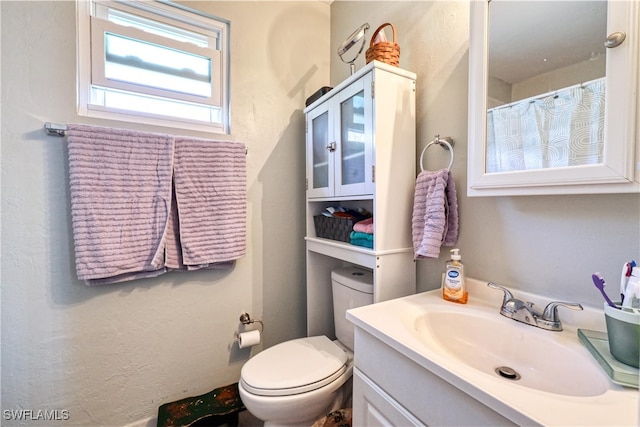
x=331 y=147
x=615 y=39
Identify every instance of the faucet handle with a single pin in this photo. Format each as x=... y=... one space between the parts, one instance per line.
x=507 y=293
x=550 y=313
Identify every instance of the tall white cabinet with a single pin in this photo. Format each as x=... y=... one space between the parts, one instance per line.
x=361 y=144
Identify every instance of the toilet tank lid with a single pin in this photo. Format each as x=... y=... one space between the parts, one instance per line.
x=355 y=278
x=294 y=364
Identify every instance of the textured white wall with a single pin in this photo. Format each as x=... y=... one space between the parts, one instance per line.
x=111 y=355
x=546 y=244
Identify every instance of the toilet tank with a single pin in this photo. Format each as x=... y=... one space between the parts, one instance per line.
x=352 y=287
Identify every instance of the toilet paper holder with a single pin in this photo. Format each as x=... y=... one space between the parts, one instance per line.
x=246 y=319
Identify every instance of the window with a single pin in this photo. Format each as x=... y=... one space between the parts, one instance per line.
x=153 y=62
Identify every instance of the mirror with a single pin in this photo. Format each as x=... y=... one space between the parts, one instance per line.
x=545 y=89
x=358 y=36
x=545 y=98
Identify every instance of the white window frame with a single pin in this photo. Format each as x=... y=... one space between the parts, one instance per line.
x=90 y=64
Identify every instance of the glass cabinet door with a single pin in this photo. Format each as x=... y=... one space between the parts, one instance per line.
x=352 y=139
x=320 y=149
x=353 y=159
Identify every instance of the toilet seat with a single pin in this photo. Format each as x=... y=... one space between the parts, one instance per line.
x=294 y=367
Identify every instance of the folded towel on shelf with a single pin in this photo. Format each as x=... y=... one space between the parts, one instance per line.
x=120 y=185
x=361 y=239
x=364 y=226
x=145 y=203
x=357 y=214
x=210 y=202
x=435 y=213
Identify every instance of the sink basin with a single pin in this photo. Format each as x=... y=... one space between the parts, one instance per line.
x=449 y=354
x=513 y=352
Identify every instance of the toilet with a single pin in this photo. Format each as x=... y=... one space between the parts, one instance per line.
x=296 y=382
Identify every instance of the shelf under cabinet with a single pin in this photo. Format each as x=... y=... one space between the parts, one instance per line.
x=351 y=253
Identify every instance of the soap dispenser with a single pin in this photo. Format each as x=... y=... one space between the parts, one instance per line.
x=453 y=284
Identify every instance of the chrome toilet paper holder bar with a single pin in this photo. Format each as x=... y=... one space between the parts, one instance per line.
x=246 y=319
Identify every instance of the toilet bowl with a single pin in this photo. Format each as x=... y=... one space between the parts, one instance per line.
x=303 y=381
x=298 y=381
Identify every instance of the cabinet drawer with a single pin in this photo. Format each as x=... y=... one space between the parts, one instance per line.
x=373 y=407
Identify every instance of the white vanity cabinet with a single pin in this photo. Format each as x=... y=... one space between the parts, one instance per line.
x=404 y=393
x=360 y=141
x=374 y=407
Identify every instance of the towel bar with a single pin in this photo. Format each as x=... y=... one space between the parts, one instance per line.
x=445 y=142
x=56 y=129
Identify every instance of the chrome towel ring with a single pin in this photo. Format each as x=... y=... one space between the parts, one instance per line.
x=445 y=142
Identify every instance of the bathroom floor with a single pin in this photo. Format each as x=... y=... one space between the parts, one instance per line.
x=246 y=419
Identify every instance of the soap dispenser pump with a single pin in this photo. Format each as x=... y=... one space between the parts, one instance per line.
x=453 y=284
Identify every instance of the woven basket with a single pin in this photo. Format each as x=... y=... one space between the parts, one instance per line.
x=333 y=228
x=387 y=52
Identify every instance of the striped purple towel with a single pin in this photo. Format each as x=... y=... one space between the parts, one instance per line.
x=120 y=183
x=435 y=213
x=145 y=203
x=210 y=195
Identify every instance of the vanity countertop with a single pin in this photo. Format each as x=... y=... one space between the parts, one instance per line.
x=396 y=323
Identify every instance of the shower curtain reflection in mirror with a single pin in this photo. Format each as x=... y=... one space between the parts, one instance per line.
x=562 y=128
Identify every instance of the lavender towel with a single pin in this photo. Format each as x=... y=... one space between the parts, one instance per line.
x=435 y=213
x=120 y=183
x=210 y=204
x=127 y=221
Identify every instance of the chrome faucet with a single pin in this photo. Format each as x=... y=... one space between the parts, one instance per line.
x=525 y=312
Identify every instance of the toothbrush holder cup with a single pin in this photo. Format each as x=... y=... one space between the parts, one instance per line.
x=623 y=329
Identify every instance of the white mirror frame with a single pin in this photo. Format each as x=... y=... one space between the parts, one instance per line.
x=620 y=170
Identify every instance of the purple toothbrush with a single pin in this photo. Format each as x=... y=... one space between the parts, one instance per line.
x=600 y=284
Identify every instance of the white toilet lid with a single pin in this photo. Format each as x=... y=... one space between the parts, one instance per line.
x=293 y=367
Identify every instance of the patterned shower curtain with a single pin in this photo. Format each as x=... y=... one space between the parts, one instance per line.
x=564 y=128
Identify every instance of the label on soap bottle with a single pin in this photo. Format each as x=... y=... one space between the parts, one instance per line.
x=453 y=280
